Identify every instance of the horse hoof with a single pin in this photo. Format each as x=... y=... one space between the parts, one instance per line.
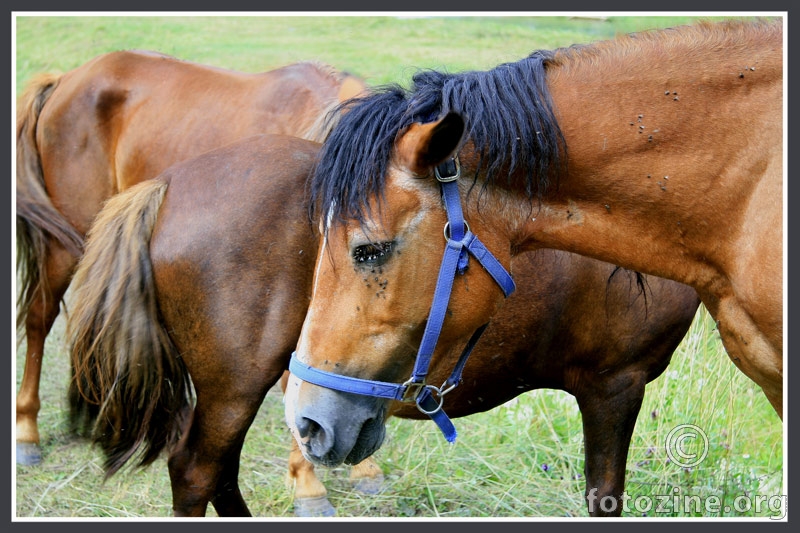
x=369 y=485
x=28 y=454
x=309 y=507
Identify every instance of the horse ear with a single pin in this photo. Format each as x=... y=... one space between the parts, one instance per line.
x=423 y=146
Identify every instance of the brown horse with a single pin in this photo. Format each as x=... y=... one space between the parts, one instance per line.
x=204 y=273
x=117 y=120
x=197 y=279
x=659 y=151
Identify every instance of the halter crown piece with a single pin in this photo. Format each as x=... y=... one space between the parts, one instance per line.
x=461 y=242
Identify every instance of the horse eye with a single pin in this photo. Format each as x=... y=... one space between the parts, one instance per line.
x=372 y=254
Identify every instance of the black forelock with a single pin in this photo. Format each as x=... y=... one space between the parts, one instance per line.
x=353 y=160
x=508 y=116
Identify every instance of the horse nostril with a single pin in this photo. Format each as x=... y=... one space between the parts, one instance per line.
x=316 y=441
x=306 y=427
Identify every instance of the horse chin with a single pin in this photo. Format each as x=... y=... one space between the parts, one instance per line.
x=369 y=440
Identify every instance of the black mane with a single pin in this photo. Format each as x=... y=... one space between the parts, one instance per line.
x=508 y=115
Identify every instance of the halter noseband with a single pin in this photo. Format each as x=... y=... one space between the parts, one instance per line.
x=429 y=399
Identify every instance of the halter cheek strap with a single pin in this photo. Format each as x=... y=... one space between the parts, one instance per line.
x=461 y=243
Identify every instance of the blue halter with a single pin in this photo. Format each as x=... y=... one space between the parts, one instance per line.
x=429 y=399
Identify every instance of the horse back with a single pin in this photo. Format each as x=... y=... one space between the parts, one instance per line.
x=126 y=116
x=234 y=246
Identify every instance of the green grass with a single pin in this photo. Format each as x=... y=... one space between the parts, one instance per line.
x=495 y=469
x=497 y=466
x=379 y=49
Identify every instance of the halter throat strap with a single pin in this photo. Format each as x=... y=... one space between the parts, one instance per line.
x=461 y=243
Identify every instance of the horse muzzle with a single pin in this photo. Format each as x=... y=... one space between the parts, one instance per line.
x=333 y=427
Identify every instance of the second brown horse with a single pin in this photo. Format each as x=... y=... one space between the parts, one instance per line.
x=202 y=277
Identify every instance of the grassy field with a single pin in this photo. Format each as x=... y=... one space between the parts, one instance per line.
x=523 y=459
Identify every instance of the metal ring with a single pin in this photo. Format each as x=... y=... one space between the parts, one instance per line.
x=434 y=390
x=447 y=229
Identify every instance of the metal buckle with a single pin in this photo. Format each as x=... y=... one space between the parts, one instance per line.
x=414 y=387
x=452 y=177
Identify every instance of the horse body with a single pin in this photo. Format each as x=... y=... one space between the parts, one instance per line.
x=660 y=152
x=121 y=118
x=203 y=275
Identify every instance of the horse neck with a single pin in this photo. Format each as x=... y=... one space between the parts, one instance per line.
x=665 y=164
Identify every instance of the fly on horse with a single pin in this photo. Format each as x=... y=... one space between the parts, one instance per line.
x=659 y=151
x=200 y=278
x=119 y=119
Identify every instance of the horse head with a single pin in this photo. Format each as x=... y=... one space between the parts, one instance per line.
x=408 y=280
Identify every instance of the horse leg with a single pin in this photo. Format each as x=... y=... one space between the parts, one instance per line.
x=41 y=315
x=310 y=495
x=764 y=365
x=609 y=415
x=367 y=476
x=227 y=499
x=204 y=466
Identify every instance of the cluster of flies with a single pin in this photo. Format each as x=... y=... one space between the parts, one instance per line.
x=372 y=255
